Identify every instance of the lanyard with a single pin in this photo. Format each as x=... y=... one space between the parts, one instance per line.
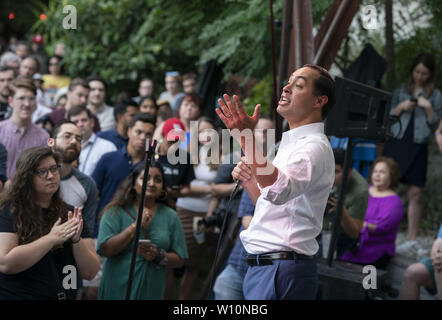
x=82 y=165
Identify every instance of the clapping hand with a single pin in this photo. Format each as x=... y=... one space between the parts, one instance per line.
x=61 y=232
x=77 y=218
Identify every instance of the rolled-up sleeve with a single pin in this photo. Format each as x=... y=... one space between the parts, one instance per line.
x=293 y=180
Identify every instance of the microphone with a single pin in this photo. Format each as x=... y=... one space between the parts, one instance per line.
x=235 y=189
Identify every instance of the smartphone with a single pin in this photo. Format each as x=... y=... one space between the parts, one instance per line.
x=144 y=241
x=176 y=187
x=413 y=99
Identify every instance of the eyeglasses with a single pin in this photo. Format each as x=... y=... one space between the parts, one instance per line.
x=43 y=172
x=68 y=137
x=24 y=98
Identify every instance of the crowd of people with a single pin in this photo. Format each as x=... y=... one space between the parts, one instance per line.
x=71 y=175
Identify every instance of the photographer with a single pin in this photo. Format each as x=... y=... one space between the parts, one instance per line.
x=354 y=207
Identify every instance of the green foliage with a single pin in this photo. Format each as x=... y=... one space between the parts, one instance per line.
x=126 y=40
x=240 y=37
x=260 y=94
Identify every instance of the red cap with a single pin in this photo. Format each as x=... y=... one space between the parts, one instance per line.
x=173 y=129
x=37 y=39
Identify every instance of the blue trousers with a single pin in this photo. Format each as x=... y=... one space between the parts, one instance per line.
x=228 y=285
x=283 y=280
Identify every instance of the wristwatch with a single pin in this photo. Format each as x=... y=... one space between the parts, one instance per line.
x=161 y=258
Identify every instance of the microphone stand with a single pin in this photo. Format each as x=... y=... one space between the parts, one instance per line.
x=149 y=151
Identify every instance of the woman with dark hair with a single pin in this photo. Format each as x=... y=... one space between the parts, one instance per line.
x=160 y=227
x=419 y=106
x=199 y=204
x=39 y=238
x=148 y=105
x=55 y=80
x=382 y=218
x=189 y=110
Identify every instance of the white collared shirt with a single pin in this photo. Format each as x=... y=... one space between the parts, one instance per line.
x=106 y=117
x=288 y=214
x=92 y=151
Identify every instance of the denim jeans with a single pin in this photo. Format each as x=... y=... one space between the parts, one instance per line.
x=228 y=285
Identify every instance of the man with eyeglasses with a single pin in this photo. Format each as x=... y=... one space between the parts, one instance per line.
x=76 y=189
x=18 y=132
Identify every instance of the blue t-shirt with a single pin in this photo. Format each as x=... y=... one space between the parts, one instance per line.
x=440 y=232
x=113 y=136
x=238 y=255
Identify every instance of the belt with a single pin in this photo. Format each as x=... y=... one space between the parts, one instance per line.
x=267 y=258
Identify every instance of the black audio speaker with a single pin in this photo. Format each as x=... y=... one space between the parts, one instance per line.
x=360 y=111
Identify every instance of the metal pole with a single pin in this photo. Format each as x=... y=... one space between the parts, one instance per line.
x=149 y=152
x=273 y=102
x=337 y=221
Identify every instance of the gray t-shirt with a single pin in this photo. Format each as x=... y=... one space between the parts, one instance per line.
x=79 y=190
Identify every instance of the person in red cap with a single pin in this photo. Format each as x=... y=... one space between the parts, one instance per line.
x=38 y=51
x=177 y=175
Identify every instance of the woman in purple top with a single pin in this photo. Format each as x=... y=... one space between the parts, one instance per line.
x=384 y=213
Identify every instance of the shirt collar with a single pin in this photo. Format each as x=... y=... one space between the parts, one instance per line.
x=14 y=127
x=91 y=140
x=302 y=131
x=101 y=109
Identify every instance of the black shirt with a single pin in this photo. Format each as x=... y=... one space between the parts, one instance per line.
x=5 y=111
x=44 y=279
x=179 y=174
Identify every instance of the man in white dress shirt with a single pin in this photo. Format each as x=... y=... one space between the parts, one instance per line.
x=97 y=105
x=291 y=192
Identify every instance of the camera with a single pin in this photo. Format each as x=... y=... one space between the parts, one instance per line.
x=215 y=220
x=413 y=99
x=332 y=194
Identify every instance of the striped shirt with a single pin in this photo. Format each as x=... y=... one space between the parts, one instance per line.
x=16 y=142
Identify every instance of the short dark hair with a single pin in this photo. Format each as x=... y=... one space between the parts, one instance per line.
x=57 y=128
x=22 y=83
x=143 y=117
x=190 y=75
x=60 y=64
x=150 y=98
x=339 y=154
x=76 y=110
x=121 y=107
x=323 y=86
x=77 y=82
x=97 y=78
x=5 y=68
